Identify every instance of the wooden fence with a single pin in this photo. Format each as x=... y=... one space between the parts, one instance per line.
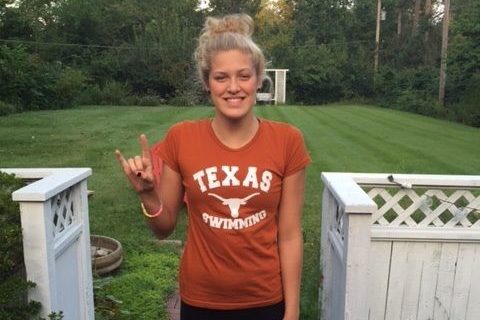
x=56 y=239
x=400 y=247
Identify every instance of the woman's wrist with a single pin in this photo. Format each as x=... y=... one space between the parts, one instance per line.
x=151 y=204
x=293 y=315
x=152 y=215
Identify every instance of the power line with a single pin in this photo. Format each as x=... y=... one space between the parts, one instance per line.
x=129 y=47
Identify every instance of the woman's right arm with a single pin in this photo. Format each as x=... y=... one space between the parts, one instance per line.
x=166 y=197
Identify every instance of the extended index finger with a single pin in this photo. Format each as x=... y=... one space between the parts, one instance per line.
x=145 y=147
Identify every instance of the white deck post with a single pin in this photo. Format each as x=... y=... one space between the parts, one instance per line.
x=56 y=240
x=326 y=253
x=39 y=255
x=356 y=273
x=346 y=244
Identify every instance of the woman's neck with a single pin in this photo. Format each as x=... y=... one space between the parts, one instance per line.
x=235 y=133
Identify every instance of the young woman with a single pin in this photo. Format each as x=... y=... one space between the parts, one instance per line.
x=244 y=181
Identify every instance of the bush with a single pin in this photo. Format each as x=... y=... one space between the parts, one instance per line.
x=413 y=90
x=190 y=93
x=7 y=108
x=112 y=93
x=419 y=102
x=468 y=109
x=316 y=74
x=13 y=286
x=68 y=86
x=25 y=80
x=149 y=100
x=184 y=98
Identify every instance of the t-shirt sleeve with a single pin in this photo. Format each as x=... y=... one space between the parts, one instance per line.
x=297 y=156
x=167 y=150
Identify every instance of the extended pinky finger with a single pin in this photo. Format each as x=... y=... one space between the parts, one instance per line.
x=122 y=161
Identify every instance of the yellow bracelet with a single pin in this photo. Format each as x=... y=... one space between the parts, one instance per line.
x=156 y=214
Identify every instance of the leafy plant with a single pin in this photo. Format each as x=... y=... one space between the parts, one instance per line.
x=13 y=286
x=106 y=305
x=69 y=85
x=6 y=108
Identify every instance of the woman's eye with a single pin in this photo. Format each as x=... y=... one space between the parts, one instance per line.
x=245 y=77
x=219 y=78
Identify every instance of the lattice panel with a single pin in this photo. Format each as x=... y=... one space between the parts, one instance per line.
x=339 y=224
x=426 y=207
x=63 y=214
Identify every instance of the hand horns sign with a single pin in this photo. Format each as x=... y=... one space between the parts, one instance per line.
x=139 y=169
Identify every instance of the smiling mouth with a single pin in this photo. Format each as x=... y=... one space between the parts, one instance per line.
x=234 y=98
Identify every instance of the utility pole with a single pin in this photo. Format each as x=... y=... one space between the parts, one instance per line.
x=443 y=55
x=377 y=36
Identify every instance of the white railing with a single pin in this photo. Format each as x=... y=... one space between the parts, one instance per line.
x=400 y=247
x=56 y=239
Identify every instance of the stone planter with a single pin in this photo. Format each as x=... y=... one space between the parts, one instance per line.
x=106 y=253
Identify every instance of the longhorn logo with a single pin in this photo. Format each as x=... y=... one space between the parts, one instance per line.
x=234 y=203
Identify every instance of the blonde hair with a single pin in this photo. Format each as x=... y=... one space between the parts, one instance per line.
x=231 y=32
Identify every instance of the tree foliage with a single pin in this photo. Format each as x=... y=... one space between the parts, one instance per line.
x=76 y=51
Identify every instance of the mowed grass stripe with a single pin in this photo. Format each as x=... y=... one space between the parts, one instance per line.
x=333 y=145
x=425 y=153
x=410 y=154
x=419 y=124
x=370 y=137
x=316 y=136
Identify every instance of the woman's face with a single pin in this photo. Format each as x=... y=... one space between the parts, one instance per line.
x=233 y=83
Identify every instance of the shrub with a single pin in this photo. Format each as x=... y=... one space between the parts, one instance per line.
x=190 y=93
x=149 y=100
x=411 y=89
x=183 y=98
x=419 y=102
x=114 y=93
x=25 y=80
x=68 y=86
x=13 y=286
x=90 y=95
x=316 y=73
x=468 y=109
x=7 y=108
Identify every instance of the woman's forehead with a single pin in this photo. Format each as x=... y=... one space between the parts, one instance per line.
x=231 y=60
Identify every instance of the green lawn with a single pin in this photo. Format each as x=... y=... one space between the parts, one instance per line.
x=339 y=137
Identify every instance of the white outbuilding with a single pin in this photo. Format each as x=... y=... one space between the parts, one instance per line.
x=275 y=89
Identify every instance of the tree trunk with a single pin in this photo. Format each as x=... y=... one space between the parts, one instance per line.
x=428 y=16
x=443 y=63
x=399 y=23
x=416 y=17
x=377 y=36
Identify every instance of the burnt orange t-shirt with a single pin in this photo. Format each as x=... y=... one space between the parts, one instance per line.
x=231 y=258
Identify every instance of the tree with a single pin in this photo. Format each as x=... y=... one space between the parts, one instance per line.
x=274 y=28
x=222 y=7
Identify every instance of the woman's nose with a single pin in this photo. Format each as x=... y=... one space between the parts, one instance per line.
x=233 y=86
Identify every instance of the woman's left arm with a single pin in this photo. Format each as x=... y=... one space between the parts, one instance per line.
x=290 y=241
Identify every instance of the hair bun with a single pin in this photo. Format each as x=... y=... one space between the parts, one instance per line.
x=235 y=23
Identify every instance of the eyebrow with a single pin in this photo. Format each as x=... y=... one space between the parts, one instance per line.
x=225 y=72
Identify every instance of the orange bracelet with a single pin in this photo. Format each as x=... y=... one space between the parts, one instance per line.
x=156 y=214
